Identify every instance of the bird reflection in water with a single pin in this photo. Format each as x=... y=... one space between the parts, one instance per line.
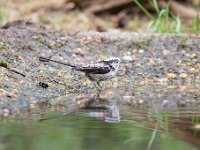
x=96 y=106
x=101 y=108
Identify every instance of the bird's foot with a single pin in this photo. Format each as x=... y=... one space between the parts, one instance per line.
x=97 y=96
x=98 y=85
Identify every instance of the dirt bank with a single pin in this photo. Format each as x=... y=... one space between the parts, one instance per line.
x=165 y=60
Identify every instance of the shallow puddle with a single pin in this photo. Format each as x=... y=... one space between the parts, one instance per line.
x=78 y=132
x=154 y=118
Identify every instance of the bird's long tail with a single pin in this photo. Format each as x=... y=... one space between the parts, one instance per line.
x=48 y=59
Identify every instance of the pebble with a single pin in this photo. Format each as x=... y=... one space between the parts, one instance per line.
x=141 y=51
x=171 y=75
x=183 y=75
x=127 y=58
x=140 y=101
x=33 y=104
x=6 y=112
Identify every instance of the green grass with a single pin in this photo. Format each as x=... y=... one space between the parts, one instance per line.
x=1 y=15
x=196 y=25
x=3 y=11
x=165 y=22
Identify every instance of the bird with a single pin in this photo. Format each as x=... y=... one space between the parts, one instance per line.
x=97 y=72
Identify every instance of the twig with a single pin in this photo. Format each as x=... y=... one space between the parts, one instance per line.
x=17 y=72
x=5 y=65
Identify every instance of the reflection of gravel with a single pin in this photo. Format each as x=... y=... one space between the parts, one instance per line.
x=157 y=59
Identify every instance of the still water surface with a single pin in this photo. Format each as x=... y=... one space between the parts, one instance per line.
x=113 y=121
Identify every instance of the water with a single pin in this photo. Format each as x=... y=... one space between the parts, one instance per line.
x=77 y=132
x=114 y=119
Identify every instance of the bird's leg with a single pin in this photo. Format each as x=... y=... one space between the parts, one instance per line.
x=97 y=96
x=98 y=85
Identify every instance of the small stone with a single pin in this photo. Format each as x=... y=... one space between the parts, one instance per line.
x=171 y=75
x=33 y=104
x=127 y=97
x=183 y=75
x=43 y=85
x=6 y=112
x=192 y=69
x=165 y=102
x=193 y=55
x=78 y=50
x=134 y=51
x=140 y=101
x=196 y=126
x=137 y=65
x=127 y=58
x=141 y=51
x=166 y=52
x=151 y=62
x=89 y=38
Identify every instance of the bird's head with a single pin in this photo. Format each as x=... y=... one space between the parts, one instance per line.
x=114 y=61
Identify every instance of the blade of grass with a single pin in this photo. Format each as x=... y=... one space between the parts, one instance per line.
x=155 y=4
x=161 y=21
x=197 y=24
x=178 y=24
x=144 y=10
x=165 y=22
x=152 y=138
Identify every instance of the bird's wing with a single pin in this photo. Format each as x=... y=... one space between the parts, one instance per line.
x=94 y=69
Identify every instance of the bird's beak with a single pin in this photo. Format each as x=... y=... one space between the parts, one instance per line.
x=100 y=61
x=103 y=61
x=126 y=61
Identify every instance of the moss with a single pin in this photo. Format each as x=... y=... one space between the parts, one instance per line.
x=183 y=42
x=138 y=44
x=4 y=64
x=93 y=50
x=59 y=45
